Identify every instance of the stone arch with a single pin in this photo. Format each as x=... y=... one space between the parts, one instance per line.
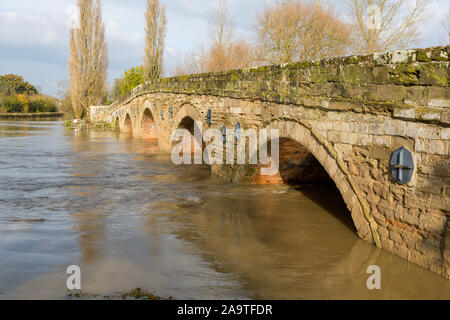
x=117 y=123
x=128 y=124
x=148 y=130
x=314 y=144
x=188 y=118
x=186 y=111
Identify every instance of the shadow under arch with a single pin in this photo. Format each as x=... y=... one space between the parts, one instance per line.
x=148 y=126
x=297 y=166
x=190 y=119
x=128 y=125
x=186 y=110
x=304 y=160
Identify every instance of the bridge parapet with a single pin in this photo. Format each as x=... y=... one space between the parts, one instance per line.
x=411 y=84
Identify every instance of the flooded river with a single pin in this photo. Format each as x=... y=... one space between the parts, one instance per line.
x=120 y=210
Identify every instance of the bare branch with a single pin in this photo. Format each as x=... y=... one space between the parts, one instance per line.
x=383 y=25
x=295 y=30
x=224 y=52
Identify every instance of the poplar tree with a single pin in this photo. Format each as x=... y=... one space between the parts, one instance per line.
x=88 y=60
x=155 y=18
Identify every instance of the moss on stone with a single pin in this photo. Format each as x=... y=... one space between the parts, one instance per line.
x=319 y=75
x=439 y=54
x=352 y=74
x=423 y=57
x=352 y=60
x=404 y=74
x=234 y=77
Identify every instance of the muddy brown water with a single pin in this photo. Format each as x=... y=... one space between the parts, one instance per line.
x=120 y=210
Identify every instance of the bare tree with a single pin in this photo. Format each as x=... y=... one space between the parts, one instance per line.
x=156 y=21
x=221 y=24
x=224 y=52
x=382 y=25
x=88 y=60
x=191 y=63
x=447 y=26
x=220 y=34
x=290 y=30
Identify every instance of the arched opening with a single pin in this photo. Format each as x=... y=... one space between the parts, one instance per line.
x=300 y=169
x=128 y=126
x=148 y=126
x=297 y=166
x=117 y=124
x=197 y=145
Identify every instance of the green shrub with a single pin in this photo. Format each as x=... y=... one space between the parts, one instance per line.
x=25 y=104
x=41 y=103
x=11 y=104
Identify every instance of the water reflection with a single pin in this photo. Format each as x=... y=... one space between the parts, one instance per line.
x=22 y=129
x=128 y=217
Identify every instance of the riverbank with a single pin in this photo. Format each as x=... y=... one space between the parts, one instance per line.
x=134 y=294
x=31 y=115
x=85 y=125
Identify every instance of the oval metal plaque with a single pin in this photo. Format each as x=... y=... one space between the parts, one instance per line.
x=208 y=117
x=224 y=134
x=402 y=165
x=238 y=131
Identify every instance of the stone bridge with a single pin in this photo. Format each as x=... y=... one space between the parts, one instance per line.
x=339 y=118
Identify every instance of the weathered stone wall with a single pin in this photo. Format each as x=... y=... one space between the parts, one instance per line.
x=350 y=114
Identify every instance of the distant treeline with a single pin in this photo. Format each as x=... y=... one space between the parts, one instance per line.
x=19 y=96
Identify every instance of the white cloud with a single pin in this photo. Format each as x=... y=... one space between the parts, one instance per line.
x=34 y=34
x=19 y=28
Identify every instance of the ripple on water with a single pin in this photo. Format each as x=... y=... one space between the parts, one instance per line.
x=129 y=218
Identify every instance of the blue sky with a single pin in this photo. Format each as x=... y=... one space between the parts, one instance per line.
x=34 y=33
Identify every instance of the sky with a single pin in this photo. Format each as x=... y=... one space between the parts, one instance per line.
x=34 y=33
